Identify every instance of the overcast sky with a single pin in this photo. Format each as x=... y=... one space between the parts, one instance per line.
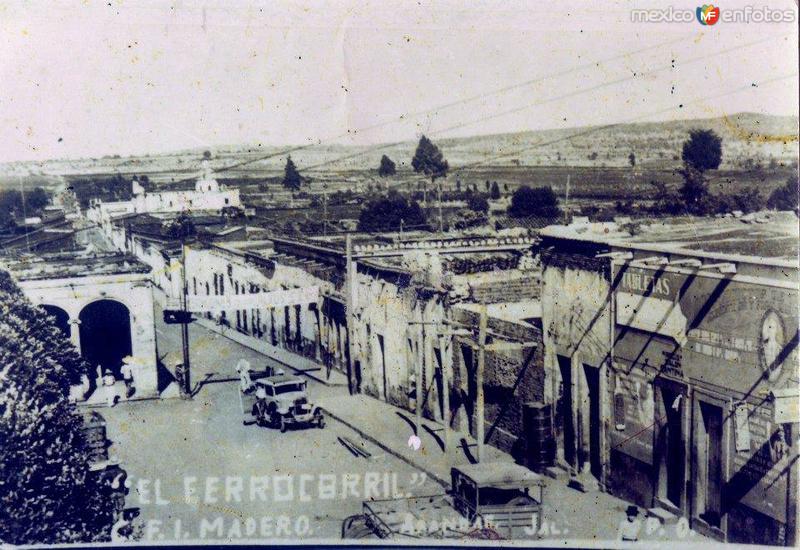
x=89 y=78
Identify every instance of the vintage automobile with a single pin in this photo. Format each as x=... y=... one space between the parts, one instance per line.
x=488 y=501
x=281 y=401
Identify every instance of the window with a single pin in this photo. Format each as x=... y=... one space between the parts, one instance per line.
x=216 y=284
x=286 y=388
x=227 y=201
x=207 y=289
x=221 y=286
x=238 y=319
x=236 y=287
x=194 y=284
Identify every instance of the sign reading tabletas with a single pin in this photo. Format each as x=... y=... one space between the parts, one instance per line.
x=261 y=300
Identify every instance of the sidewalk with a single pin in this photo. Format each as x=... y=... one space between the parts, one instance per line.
x=569 y=514
x=389 y=428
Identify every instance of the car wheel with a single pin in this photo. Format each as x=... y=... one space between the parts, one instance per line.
x=321 y=422
x=284 y=424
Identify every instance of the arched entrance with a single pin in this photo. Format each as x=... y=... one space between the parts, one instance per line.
x=105 y=334
x=61 y=318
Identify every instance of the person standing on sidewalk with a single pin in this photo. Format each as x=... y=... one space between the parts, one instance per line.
x=127 y=376
x=630 y=526
x=108 y=384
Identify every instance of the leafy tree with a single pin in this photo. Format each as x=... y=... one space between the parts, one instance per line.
x=105 y=188
x=385 y=212
x=694 y=191
x=48 y=493
x=785 y=197
x=10 y=202
x=181 y=228
x=749 y=200
x=387 y=167
x=478 y=203
x=13 y=202
x=703 y=150
x=428 y=160
x=494 y=194
x=291 y=177
x=539 y=201
x=36 y=199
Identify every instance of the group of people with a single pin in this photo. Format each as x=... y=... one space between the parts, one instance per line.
x=106 y=383
x=109 y=382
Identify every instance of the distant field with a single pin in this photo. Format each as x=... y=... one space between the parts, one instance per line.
x=748 y=139
x=585 y=182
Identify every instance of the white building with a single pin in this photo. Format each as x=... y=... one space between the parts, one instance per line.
x=207 y=194
x=102 y=303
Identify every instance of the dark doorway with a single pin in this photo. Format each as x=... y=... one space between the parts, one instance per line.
x=61 y=318
x=709 y=464
x=593 y=386
x=383 y=367
x=105 y=334
x=468 y=360
x=671 y=448
x=438 y=383
x=565 y=423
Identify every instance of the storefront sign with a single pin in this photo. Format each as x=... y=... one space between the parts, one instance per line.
x=733 y=334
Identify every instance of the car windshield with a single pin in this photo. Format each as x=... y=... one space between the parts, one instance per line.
x=286 y=388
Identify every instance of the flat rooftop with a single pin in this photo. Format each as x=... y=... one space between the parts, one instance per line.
x=30 y=267
x=772 y=235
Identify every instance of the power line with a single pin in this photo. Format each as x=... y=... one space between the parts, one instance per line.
x=626 y=121
x=451 y=104
x=595 y=87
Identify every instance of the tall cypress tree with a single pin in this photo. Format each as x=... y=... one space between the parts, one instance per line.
x=291 y=177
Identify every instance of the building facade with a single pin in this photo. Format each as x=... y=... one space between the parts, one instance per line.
x=698 y=350
x=103 y=304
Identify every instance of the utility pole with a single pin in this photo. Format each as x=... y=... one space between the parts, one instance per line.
x=418 y=370
x=350 y=302
x=479 y=401
x=441 y=224
x=187 y=386
x=325 y=209
x=444 y=354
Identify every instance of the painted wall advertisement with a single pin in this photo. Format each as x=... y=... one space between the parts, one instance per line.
x=735 y=336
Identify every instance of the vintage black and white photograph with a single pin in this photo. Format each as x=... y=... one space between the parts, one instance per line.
x=399 y=273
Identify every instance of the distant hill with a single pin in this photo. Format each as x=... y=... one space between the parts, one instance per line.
x=748 y=139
